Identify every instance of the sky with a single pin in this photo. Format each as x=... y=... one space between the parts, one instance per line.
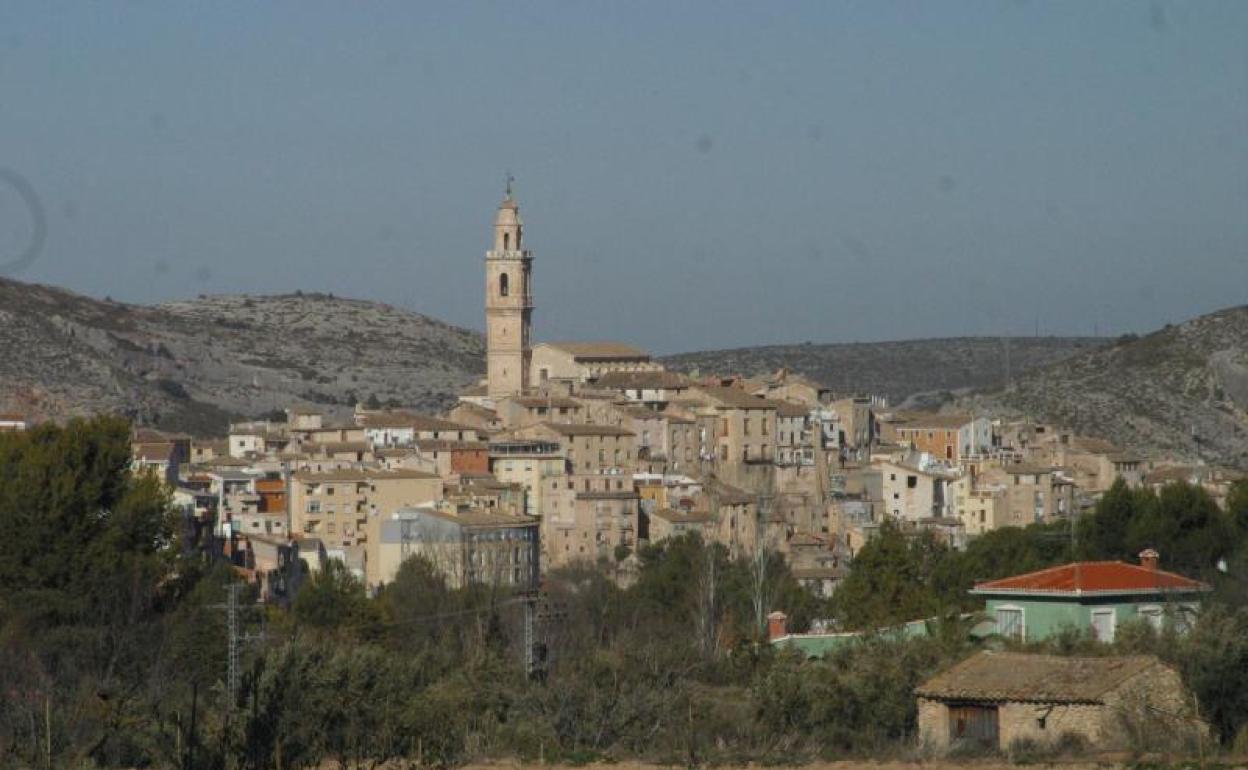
x=692 y=175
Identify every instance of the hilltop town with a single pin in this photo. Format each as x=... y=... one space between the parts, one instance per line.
x=759 y=523
x=583 y=451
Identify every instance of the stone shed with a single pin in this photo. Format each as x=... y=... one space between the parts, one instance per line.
x=994 y=699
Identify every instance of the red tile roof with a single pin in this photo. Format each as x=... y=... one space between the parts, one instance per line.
x=1092 y=577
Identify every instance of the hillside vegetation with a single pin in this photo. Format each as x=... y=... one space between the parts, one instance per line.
x=899 y=369
x=191 y=365
x=1182 y=390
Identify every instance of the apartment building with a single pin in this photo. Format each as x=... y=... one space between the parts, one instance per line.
x=466 y=547
x=340 y=506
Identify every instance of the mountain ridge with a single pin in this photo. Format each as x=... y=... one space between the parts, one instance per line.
x=194 y=364
x=1180 y=391
x=898 y=369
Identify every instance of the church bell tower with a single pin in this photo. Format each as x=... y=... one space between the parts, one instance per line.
x=508 y=303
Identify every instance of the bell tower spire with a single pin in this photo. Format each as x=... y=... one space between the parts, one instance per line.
x=508 y=302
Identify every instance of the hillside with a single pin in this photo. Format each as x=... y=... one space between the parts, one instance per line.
x=898 y=370
x=1182 y=390
x=191 y=365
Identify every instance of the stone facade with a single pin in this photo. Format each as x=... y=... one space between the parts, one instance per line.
x=508 y=304
x=1110 y=703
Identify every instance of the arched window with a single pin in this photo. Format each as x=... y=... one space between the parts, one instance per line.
x=503 y=288
x=506 y=241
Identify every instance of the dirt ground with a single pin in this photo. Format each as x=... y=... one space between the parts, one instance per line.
x=1107 y=762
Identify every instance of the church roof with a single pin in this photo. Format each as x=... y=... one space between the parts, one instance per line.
x=601 y=351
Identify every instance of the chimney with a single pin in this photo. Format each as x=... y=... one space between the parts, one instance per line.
x=777 y=626
x=1149 y=558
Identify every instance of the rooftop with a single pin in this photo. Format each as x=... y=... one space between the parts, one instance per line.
x=418 y=422
x=361 y=474
x=921 y=420
x=683 y=517
x=1091 y=578
x=643 y=380
x=737 y=398
x=567 y=429
x=791 y=409
x=533 y=402
x=600 y=351
x=1030 y=678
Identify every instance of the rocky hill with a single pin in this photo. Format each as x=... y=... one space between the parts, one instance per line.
x=1180 y=391
x=930 y=370
x=192 y=365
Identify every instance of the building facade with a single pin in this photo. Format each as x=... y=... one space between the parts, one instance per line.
x=508 y=304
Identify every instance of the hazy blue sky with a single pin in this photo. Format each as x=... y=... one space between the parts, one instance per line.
x=691 y=175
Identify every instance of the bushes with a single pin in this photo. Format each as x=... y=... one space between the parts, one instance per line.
x=858 y=701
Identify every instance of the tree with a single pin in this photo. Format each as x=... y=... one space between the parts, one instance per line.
x=81 y=532
x=889 y=581
x=1237 y=510
x=1186 y=525
x=1104 y=534
x=87 y=563
x=335 y=599
x=1214 y=663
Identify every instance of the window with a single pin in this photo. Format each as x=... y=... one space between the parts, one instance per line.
x=746 y=425
x=1010 y=623
x=503 y=286
x=506 y=243
x=1154 y=616
x=1103 y=623
x=912 y=482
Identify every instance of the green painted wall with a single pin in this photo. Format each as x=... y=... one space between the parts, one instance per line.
x=818 y=645
x=1045 y=617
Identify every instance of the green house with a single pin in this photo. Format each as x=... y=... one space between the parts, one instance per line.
x=1091 y=596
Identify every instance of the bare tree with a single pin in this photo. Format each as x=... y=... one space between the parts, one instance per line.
x=706 y=602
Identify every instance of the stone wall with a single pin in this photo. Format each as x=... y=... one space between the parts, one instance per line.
x=1022 y=721
x=933 y=725
x=1151 y=711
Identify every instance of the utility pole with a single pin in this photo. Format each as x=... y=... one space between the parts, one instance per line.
x=235 y=639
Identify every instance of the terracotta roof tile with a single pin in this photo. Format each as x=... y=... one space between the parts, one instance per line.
x=1092 y=577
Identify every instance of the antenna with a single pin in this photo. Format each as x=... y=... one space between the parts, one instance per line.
x=1006 y=340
